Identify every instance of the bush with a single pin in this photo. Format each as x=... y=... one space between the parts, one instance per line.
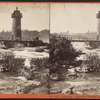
x=94 y=45
x=40 y=63
x=93 y=61
x=42 y=67
x=61 y=53
x=37 y=70
x=11 y=63
x=27 y=73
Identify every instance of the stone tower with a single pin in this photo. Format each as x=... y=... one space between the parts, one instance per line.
x=98 y=26
x=16 y=25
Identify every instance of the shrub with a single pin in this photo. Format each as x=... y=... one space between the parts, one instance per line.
x=11 y=63
x=61 y=53
x=27 y=73
x=93 y=61
x=37 y=70
x=94 y=45
x=42 y=67
x=40 y=63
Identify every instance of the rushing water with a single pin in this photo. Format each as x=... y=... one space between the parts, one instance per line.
x=85 y=48
x=26 y=52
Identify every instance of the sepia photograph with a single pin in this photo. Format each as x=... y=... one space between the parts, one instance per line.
x=50 y=48
x=75 y=48
x=24 y=48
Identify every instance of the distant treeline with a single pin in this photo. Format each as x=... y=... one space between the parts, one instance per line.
x=88 y=35
x=28 y=34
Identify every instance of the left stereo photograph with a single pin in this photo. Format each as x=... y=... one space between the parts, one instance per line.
x=24 y=48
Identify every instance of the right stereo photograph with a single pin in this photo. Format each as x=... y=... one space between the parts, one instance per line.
x=75 y=48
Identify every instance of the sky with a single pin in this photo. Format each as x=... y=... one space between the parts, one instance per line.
x=35 y=16
x=75 y=18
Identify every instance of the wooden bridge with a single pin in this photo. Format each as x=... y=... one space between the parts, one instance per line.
x=29 y=42
x=79 y=38
x=25 y=42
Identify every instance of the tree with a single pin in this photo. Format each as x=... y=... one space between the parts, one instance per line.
x=62 y=53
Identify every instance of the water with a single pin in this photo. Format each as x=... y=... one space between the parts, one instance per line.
x=82 y=46
x=26 y=52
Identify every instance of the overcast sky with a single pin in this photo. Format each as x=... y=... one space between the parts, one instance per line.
x=35 y=15
x=75 y=18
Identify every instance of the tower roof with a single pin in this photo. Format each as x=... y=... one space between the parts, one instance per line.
x=16 y=8
x=16 y=13
x=98 y=15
